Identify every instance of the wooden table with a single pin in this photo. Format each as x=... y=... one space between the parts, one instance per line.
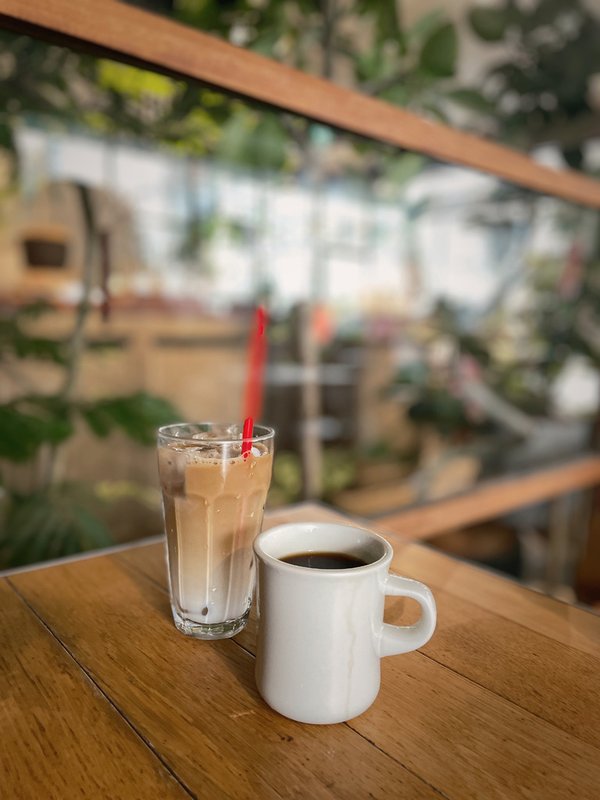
x=100 y=696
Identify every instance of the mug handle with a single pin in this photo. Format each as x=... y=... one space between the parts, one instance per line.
x=396 y=639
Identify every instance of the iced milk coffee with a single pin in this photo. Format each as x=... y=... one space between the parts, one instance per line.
x=213 y=500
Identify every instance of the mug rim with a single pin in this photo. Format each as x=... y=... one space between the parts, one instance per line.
x=168 y=432
x=266 y=557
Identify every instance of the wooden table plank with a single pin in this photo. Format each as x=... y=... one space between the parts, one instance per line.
x=478 y=706
x=560 y=621
x=472 y=743
x=558 y=683
x=59 y=737
x=452 y=733
x=196 y=701
x=490 y=708
x=554 y=682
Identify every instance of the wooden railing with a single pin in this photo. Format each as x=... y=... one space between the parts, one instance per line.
x=492 y=499
x=135 y=36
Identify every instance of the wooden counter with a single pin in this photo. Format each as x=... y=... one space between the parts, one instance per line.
x=100 y=696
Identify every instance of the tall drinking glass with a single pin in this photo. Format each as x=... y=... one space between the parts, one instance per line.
x=213 y=501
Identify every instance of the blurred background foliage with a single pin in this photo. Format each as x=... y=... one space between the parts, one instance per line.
x=57 y=518
x=544 y=91
x=377 y=56
x=54 y=517
x=541 y=89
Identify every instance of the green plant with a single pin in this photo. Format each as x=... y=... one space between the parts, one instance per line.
x=426 y=391
x=366 y=42
x=55 y=518
x=339 y=472
x=514 y=354
x=542 y=91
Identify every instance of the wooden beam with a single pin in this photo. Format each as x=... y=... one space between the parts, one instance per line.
x=492 y=499
x=136 y=36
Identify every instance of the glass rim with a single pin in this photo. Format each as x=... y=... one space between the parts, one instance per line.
x=167 y=432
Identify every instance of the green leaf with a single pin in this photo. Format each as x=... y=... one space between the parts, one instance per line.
x=23 y=432
x=52 y=523
x=265 y=42
x=400 y=94
x=370 y=64
x=287 y=473
x=424 y=26
x=32 y=532
x=134 y=82
x=405 y=167
x=340 y=471
x=439 y=408
x=267 y=148
x=41 y=348
x=435 y=111
x=382 y=15
x=438 y=55
x=573 y=156
x=15 y=341
x=8 y=143
x=414 y=374
x=235 y=134
x=489 y=23
x=25 y=519
x=34 y=310
x=91 y=532
x=475 y=347
x=472 y=99
x=7 y=140
x=138 y=415
x=97 y=419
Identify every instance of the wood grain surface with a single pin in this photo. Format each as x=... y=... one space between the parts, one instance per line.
x=60 y=738
x=136 y=36
x=469 y=741
x=197 y=702
x=530 y=668
x=565 y=623
x=503 y=702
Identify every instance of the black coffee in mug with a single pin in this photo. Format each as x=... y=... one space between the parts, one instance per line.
x=329 y=560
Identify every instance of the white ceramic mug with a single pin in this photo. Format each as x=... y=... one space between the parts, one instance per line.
x=321 y=631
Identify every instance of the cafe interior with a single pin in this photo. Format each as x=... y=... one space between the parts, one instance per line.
x=409 y=194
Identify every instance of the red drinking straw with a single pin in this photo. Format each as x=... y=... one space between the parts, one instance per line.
x=257 y=352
